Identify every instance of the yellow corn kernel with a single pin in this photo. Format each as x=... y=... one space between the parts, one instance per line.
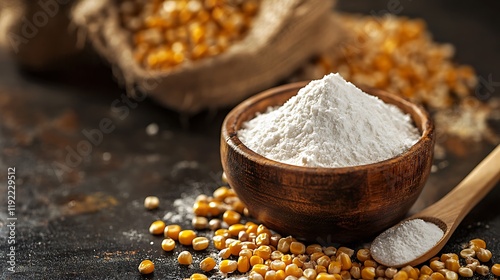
x=436 y=265
x=146 y=267
x=297 y=261
x=287 y=259
x=348 y=251
x=186 y=237
x=200 y=208
x=271 y=275
x=355 y=272
x=482 y=270
x=151 y=202
x=263 y=229
x=219 y=242
x=214 y=208
x=228 y=266
x=467 y=252
x=157 y=227
x=172 y=231
x=231 y=217
x=325 y=276
x=400 y=275
x=246 y=252
x=262 y=239
x=344 y=260
x=447 y=256
x=310 y=273
x=465 y=272
x=334 y=267
x=198 y=276
x=284 y=245
x=495 y=269
x=313 y=248
x=254 y=260
x=320 y=269
x=483 y=255
x=263 y=251
x=437 y=276
x=390 y=272
x=345 y=275
x=260 y=269
x=477 y=243
x=168 y=244
x=380 y=271
x=248 y=245
x=207 y=264
x=235 y=247
x=297 y=248
x=185 y=258
x=412 y=273
x=293 y=270
x=277 y=265
x=200 y=243
x=452 y=264
x=251 y=228
x=324 y=261
x=225 y=253
x=424 y=277
x=222 y=232
x=370 y=263
x=276 y=255
x=238 y=206
x=199 y=222
x=243 y=264
x=363 y=255
x=368 y=273
x=316 y=256
x=451 y=275
x=425 y=269
x=330 y=251
x=235 y=229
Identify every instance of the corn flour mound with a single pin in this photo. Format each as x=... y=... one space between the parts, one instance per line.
x=330 y=123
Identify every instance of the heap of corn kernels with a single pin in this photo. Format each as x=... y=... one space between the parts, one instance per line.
x=171 y=32
x=252 y=249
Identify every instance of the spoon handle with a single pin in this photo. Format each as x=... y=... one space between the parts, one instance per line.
x=453 y=207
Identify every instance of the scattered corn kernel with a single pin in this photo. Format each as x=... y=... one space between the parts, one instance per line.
x=368 y=273
x=495 y=269
x=477 y=243
x=151 y=202
x=297 y=248
x=146 y=267
x=185 y=258
x=228 y=266
x=157 y=227
x=231 y=217
x=207 y=264
x=465 y=272
x=483 y=255
x=168 y=244
x=198 y=276
x=468 y=252
x=172 y=231
x=199 y=222
x=186 y=237
x=200 y=243
x=243 y=264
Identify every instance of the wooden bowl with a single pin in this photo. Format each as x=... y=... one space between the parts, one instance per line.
x=325 y=205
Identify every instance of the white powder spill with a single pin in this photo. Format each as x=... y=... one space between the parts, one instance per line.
x=183 y=209
x=406 y=242
x=330 y=123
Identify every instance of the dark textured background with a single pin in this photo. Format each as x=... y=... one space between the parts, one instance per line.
x=90 y=223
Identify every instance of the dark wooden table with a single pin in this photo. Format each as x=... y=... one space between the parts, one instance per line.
x=84 y=161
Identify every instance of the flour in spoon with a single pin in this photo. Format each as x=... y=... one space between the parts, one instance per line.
x=406 y=242
x=330 y=123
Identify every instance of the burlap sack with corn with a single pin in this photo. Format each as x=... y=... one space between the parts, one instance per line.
x=191 y=55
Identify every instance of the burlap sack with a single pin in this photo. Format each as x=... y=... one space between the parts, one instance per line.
x=38 y=33
x=285 y=33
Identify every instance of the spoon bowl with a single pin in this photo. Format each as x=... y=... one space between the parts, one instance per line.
x=325 y=205
x=448 y=212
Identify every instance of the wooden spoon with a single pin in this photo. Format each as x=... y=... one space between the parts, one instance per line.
x=449 y=211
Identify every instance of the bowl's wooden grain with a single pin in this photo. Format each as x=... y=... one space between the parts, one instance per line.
x=325 y=205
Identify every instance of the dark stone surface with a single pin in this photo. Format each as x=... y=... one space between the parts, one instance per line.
x=81 y=217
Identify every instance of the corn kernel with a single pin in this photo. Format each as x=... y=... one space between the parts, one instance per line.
x=380 y=271
x=483 y=255
x=445 y=257
x=260 y=269
x=293 y=270
x=157 y=227
x=465 y=272
x=199 y=222
x=231 y=217
x=309 y=273
x=228 y=266
x=401 y=275
x=344 y=260
x=243 y=264
x=225 y=253
x=437 y=276
x=200 y=208
x=219 y=242
x=363 y=255
x=425 y=269
x=255 y=276
x=495 y=269
x=368 y=273
x=325 y=276
x=198 y=276
x=172 y=231
x=477 y=243
x=468 y=252
x=185 y=258
x=284 y=245
x=151 y=202
x=321 y=269
x=146 y=267
x=313 y=248
x=412 y=273
x=436 y=265
x=297 y=248
x=262 y=239
x=370 y=263
x=330 y=251
x=452 y=264
x=348 y=251
x=334 y=267
x=254 y=260
x=391 y=271
x=200 y=243
x=207 y=264
x=168 y=244
x=482 y=270
x=451 y=275
x=355 y=272
x=271 y=275
x=263 y=251
x=235 y=247
x=324 y=261
x=186 y=237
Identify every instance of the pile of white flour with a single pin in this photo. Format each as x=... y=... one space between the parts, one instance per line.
x=330 y=123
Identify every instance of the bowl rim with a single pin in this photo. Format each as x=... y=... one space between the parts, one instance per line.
x=230 y=131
